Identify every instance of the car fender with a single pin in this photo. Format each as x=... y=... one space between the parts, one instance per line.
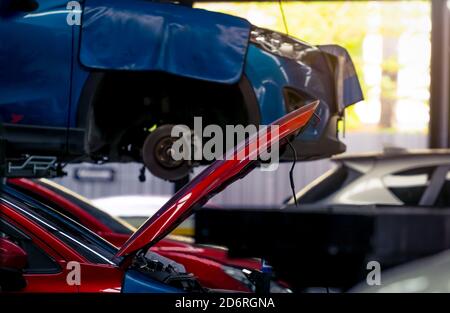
x=138 y=35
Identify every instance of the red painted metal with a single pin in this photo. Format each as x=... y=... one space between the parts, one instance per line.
x=204 y=262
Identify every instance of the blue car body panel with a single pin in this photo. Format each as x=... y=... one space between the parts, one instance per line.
x=269 y=74
x=135 y=282
x=35 y=66
x=165 y=37
x=351 y=89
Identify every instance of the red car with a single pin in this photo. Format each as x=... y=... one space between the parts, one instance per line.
x=211 y=265
x=55 y=248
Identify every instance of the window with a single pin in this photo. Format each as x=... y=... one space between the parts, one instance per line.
x=115 y=225
x=443 y=199
x=408 y=186
x=333 y=181
x=112 y=223
x=86 y=243
x=38 y=261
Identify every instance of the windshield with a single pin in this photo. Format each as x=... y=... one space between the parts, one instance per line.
x=326 y=185
x=86 y=243
x=116 y=225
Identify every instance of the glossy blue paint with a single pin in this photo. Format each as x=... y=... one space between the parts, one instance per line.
x=263 y=71
x=269 y=74
x=80 y=75
x=352 y=90
x=138 y=36
x=135 y=282
x=35 y=65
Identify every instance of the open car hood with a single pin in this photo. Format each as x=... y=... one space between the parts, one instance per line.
x=214 y=179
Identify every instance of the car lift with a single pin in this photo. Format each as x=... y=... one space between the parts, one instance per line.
x=32 y=166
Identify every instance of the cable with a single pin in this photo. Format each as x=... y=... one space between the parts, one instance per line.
x=280 y=4
x=291 y=173
x=291 y=178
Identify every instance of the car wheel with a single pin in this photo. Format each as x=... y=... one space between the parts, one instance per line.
x=157 y=156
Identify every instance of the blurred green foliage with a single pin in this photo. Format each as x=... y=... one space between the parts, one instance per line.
x=339 y=22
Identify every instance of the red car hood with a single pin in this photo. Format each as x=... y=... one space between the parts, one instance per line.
x=212 y=180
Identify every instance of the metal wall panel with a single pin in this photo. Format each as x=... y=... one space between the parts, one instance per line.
x=258 y=188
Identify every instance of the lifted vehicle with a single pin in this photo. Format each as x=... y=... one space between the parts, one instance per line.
x=106 y=80
x=132 y=267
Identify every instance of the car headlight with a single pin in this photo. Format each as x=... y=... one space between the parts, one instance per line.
x=280 y=44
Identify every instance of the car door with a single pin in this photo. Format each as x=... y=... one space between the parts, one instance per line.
x=46 y=270
x=35 y=74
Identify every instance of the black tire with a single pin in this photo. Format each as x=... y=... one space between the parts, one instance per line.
x=156 y=159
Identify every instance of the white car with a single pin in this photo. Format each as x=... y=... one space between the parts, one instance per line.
x=394 y=177
x=131 y=205
x=136 y=209
x=429 y=275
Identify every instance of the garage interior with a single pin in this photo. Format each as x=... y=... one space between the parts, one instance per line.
x=374 y=219
x=433 y=113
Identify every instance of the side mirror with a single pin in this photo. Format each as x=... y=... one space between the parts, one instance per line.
x=12 y=256
x=13 y=259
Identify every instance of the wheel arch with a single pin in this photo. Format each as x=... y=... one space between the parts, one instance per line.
x=91 y=95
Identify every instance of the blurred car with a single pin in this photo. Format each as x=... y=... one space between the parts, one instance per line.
x=131 y=206
x=136 y=209
x=210 y=264
x=46 y=243
x=427 y=275
x=394 y=177
x=105 y=81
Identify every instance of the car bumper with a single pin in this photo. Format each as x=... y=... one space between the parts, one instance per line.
x=282 y=84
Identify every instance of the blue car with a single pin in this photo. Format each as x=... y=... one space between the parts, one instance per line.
x=100 y=81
